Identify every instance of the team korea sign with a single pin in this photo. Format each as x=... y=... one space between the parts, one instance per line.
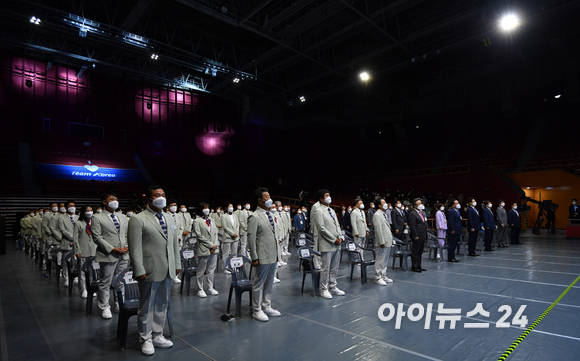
x=88 y=172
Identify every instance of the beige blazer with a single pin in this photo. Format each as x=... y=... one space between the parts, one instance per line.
x=383 y=233
x=207 y=237
x=66 y=228
x=153 y=253
x=358 y=222
x=83 y=243
x=53 y=225
x=230 y=228
x=327 y=228
x=106 y=237
x=262 y=238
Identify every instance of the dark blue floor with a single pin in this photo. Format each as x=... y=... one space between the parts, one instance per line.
x=41 y=323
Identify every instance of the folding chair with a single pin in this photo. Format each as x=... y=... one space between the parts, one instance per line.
x=436 y=248
x=354 y=254
x=241 y=282
x=72 y=269
x=188 y=267
x=402 y=254
x=306 y=255
x=92 y=270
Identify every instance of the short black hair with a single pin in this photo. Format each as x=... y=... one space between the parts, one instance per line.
x=150 y=189
x=84 y=209
x=378 y=200
x=356 y=202
x=259 y=193
x=499 y=201
x=172 y=201
x=416 y=200
x=574 y=199
x=53 y=203
x=69 y=202
x=470 y=199
x=106 y=195
x=321 y=192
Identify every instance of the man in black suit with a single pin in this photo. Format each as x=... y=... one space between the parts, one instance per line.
x=341 y=218
x=515 y=222
x=347 y=225
x=418 y=227
x=473 y=226
x=455 y=228
x=574 y=210
x=399 y=220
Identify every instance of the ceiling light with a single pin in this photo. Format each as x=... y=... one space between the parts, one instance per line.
x=236 y=80
x=302 y=98
x=509 y=22
x=154 y=56
x=35 y=20
x=558 y=96
x=364 y=76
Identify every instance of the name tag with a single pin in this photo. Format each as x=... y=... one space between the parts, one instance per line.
x=302 y=235
x=129 y=278
x=351 y=247
x=301 y=242
x=237 y=262
x=96 y=265
x=173 y=227
x=188 y=254
x=304 y=253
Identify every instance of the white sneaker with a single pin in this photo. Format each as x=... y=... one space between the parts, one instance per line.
x=201 y=294
x=227 y=272
x=212 y=292
x=276 y=280
x=380 y=282
x=271 y=312
x=260 y=316
x=107 y=315
x=147 y=348
x=326 y=294
x=177 y=280
x=162 y=342
x=76 y=281
x=388 y=280
x=66 y=283
x=336 y=291
x=288 y=254
x=438 y=256
x=84 y=295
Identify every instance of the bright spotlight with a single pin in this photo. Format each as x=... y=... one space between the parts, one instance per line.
x=35 y=20
x=364 y=76
x=302 y=98
x=214 y=72
x=509 y=22
x=558 y=96
x=236 y=80
x=154 y=56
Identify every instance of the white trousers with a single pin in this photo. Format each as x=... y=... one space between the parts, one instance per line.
x=206 y=266
x=228 y=249
x=381 y=262
x=262 y=285
x=153 y=301
x=108 y=271
x=244 y=245
x=316 y=259
x=329 y=270
x=285 y=243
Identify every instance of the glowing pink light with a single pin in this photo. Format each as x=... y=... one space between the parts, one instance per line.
x=212 y=143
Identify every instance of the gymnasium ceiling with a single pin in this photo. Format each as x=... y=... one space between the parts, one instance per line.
x=284 y=50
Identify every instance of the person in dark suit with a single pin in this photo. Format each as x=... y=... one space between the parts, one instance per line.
x=342 y=218
x=515 y=222
x=455 y=229
x=488 y=225
x=574 y=210
x=418 y=227
x=473 y=225
x=399 y=220
x=347 y=225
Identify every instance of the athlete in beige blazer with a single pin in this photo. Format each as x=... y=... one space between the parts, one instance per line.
x=206 y=233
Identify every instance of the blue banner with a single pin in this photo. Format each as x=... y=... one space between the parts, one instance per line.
x=88 y=172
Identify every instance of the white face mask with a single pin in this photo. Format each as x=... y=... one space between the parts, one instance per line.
x=205 y=212
x=399 y=205
x=273 y=210
x=385 y=206
x=268 y=203
x=280 y=209
x=71 y=209
x=362 y=206
x=502 y=204
x=230 y=210
x=247 y=206
x=173 y=209
x=421 y=207
x=159 y=202
x=515 y=207
x=442 y=208
x=31 y=214
x=489 y=205
x=299 y=211
x=372 y=206
x=99 y=211
x=54 y=209
x=390 y=207
x=574 y=203
x=62 y=210
x=474 y=204
x=212 y=211
x=113 y=205
x=130 y=214
x=458 y=206
x=239 y=207
x=88 y=214
x=328 y=200
x=350 y=209
x=406 y=208
x=46 y=213
x=304 y=210
x=183 y=210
